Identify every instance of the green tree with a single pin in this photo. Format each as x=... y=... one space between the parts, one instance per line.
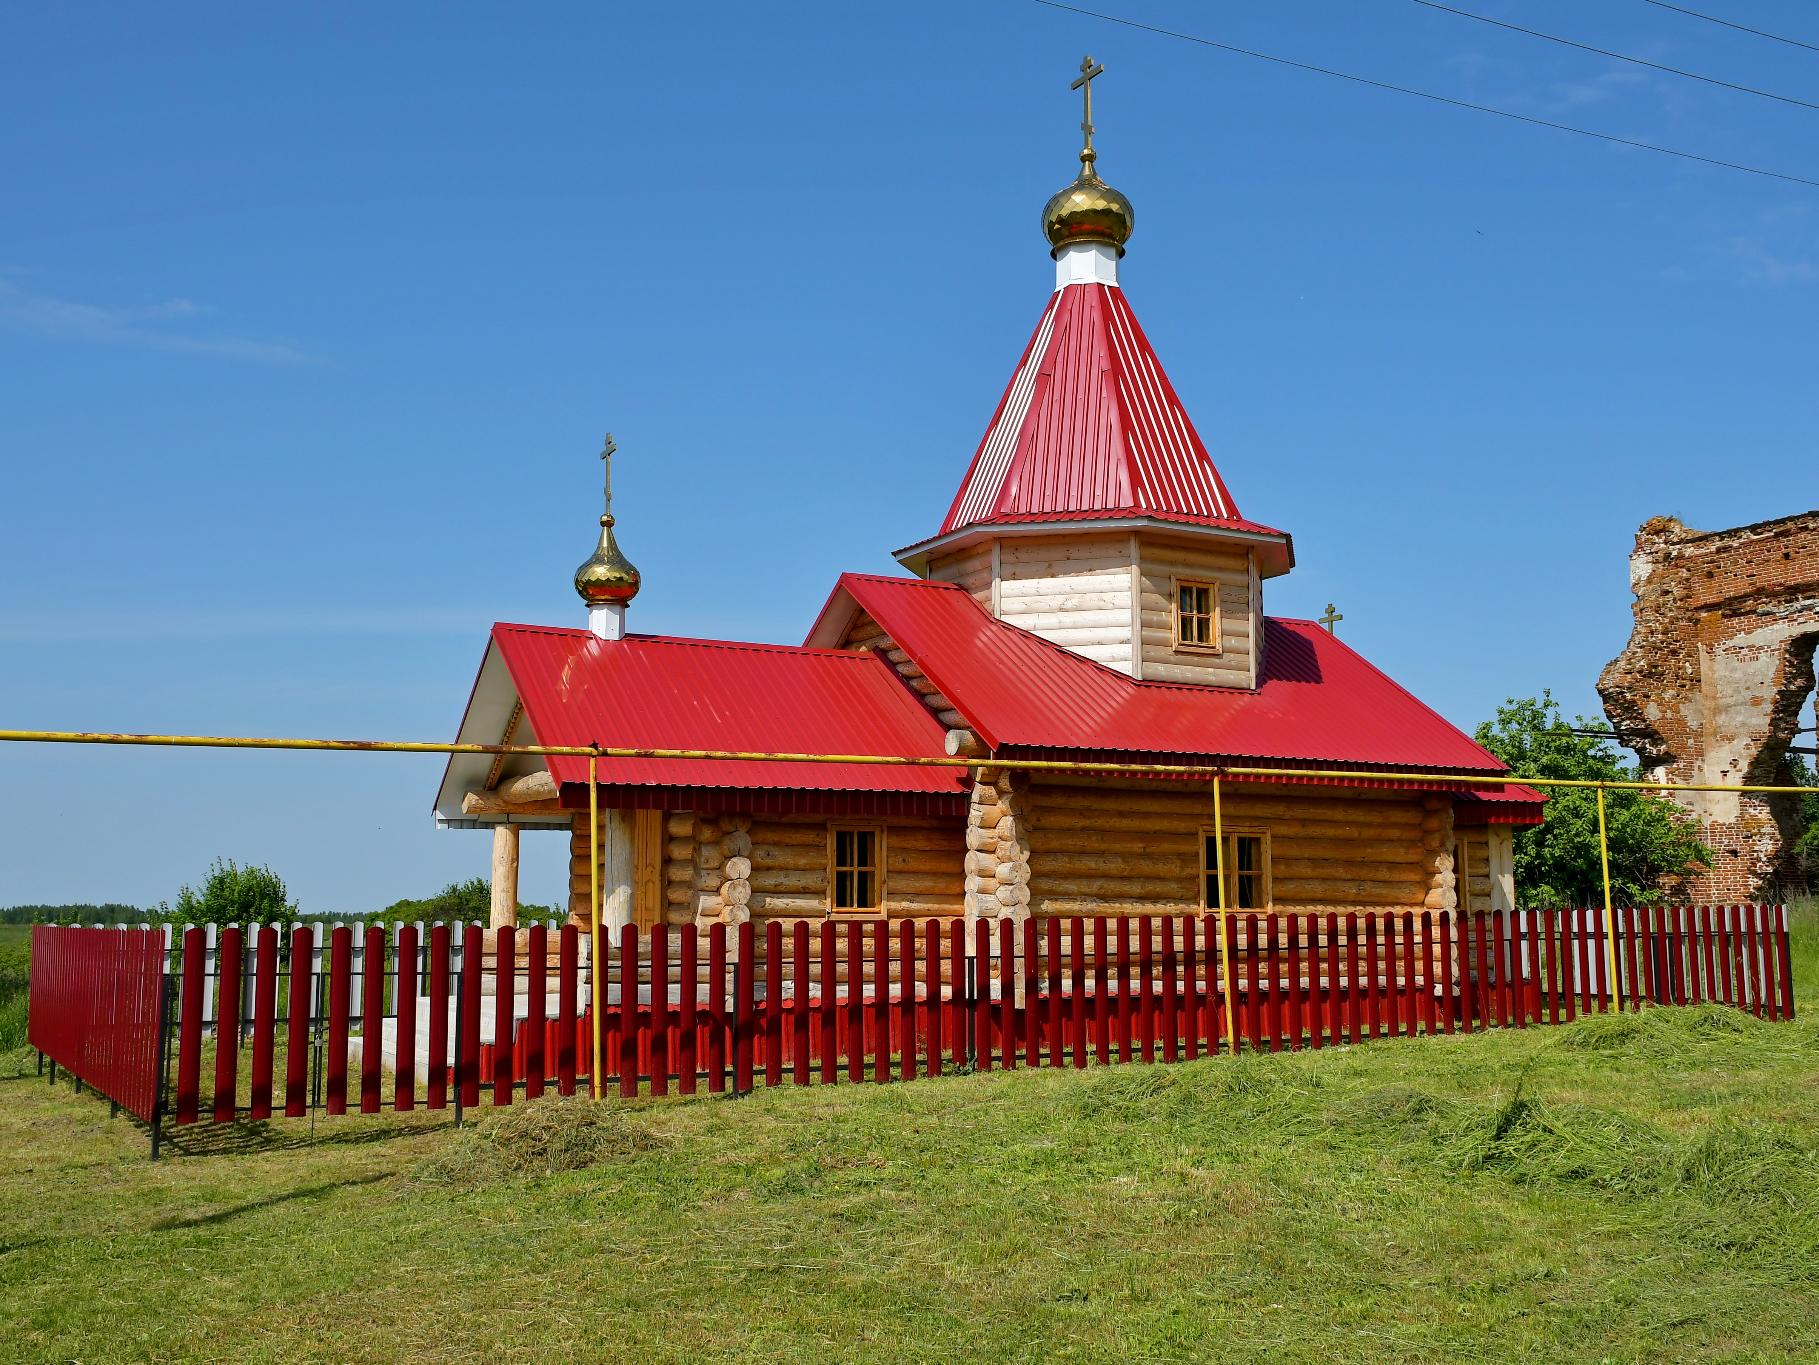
x=1806 y=843
x=1653 y=843
x=463 y=902
x=232 y=894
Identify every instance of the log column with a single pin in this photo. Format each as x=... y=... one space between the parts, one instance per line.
x=997 y=847
x=1437 y=853
x=618 y=869
x=504 y=911
x=708 y=874
x=736 y=869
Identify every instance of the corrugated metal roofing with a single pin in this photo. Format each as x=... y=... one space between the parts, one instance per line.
x=1317 y=701
x=1508 y=805
x=1091 y=426
x=655 y=692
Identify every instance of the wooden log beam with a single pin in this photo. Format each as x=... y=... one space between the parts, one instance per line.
x=504 y=908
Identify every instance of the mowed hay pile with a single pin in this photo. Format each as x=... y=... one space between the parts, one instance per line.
x=545 y=1136
x=1730 y=1184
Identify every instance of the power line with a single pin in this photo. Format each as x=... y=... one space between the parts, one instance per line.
x=1429 y=95
x=1726 y=23
x=1615 y=56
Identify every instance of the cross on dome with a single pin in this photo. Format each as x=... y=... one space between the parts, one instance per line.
x=1089 y=211
x=1084 y=83
x=607 y=580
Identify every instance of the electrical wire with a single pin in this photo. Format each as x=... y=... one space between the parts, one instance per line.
x=1615 y=56
x=1429 y=95
x=1726 y=23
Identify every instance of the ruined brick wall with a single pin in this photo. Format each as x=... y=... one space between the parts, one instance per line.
x=1710 y=687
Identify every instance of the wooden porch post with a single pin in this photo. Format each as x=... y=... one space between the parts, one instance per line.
x=504 y=911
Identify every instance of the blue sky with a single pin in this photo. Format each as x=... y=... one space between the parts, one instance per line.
x=311 y=322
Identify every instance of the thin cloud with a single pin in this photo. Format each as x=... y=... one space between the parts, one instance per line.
x=167 y=326
x=1763 y=265
x=241 y=625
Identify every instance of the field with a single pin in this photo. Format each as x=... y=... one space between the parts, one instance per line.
x=15 y=959
x=1634 y=1188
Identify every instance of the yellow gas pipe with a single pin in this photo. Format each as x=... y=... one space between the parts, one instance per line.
x=595 y=958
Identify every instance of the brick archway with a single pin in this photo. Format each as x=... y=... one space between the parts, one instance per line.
x=1711 y=685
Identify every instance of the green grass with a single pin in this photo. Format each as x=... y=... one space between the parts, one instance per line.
x=1620 y=1189
x=15 y=970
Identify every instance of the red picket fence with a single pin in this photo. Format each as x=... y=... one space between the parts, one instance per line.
x=404 y=1017
x=97 y=1010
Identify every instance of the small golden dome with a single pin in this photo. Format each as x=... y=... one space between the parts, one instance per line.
x=1089 y=210
x=607 y=576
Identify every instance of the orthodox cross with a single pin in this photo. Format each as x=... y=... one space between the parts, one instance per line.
x=1084 y=83
x=1331 y=619
x=606 y=456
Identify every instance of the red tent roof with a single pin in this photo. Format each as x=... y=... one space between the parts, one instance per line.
x=1091 y=427
x=1317 y=702
x=655 y=692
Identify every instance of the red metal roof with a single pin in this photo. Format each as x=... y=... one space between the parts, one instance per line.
x=1317 y=701
x=1512 y=804
x=655 y=692
x=1090 y=426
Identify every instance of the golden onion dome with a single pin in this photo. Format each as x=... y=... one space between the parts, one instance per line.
x=1089 y=210
x=607 y=576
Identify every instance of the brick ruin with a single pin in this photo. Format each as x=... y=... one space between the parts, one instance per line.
x=1711 y=685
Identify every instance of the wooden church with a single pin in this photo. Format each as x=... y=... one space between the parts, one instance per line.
x=1093 y=595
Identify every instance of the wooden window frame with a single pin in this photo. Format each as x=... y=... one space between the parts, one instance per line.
x=1215 y=624
x=834 y=830
x=1233 y=833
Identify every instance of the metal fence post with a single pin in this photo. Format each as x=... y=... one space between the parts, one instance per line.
x=458 y=959
x=166 y=991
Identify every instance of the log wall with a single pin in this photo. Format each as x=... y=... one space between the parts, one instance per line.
x=1056 y=847
x=1078 y=594
x=924 y=868
x=1134 y=848
x=1160 y=563
x=972 y=569
x=1110 y=597
x=727 y=868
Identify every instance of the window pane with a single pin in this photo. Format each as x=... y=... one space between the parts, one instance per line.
x=864 y=850
x=843 y=890
x=843 y=848
x=867 y=896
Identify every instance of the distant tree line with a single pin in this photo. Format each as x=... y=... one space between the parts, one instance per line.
x=236 y=894
x=76 y=913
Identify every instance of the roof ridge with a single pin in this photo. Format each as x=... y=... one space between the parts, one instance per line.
x=690 y=641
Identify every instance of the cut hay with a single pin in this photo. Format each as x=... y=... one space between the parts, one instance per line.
x=545 y=1136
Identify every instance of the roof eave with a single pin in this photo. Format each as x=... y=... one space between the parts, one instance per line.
x=1276 y=549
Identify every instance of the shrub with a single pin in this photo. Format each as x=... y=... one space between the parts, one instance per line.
x=232 y=894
